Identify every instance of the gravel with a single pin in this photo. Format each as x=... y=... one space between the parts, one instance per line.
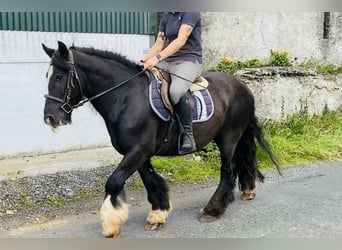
x=47 y=196
x=32 y=197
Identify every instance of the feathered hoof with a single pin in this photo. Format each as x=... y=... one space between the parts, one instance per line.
x=114 y=234
x=157 y=219
x=206 y=218
x=154 y=226
x=112 y=218
x=248 y=195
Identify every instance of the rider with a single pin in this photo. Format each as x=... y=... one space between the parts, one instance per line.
x=178 y=50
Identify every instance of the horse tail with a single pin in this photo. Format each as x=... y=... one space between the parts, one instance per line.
x=259 y=135
x=244 y=157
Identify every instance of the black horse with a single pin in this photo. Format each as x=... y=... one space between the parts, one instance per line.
x=119 y=91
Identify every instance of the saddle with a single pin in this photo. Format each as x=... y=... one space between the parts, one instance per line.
x=202 y=103
x=165 y=79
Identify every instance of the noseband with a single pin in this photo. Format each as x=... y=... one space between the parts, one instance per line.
x=66 y=106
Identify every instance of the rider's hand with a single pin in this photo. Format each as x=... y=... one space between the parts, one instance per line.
x=150 y=63
x=141 y=63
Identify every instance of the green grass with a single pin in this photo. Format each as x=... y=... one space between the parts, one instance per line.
x=323 y=69
x=298 y=139
x=185 y=170
x=302 y=139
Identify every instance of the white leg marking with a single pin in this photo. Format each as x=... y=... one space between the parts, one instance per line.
x=157 y=218
x=112 y=218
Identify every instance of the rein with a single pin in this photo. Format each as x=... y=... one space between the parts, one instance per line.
x=85 y=100
x=66 y=106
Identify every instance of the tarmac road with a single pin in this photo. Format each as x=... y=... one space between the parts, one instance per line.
x=306 y=202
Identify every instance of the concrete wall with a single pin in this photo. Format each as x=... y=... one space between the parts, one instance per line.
x=23 y=65
x=279 y=92
x=246 y=35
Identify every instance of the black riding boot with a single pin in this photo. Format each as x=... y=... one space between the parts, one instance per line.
x=184 y=112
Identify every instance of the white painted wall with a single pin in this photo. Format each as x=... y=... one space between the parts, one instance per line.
x=23 y=65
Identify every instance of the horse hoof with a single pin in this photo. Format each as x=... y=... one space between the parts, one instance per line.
x=115 y=235
x=154 y=226
x=248 y=195
x=206 y=218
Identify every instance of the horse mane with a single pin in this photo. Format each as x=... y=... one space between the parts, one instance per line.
x=106 y=55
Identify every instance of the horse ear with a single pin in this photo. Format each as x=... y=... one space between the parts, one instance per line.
x=63 y=50
x=47 y=50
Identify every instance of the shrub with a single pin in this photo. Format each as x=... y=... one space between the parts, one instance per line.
x=253 y=63
x=280 y=58
x=229 y=65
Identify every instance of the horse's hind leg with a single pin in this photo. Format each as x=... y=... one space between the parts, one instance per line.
x=224 y=193
x=157 y=194
x=245 y=164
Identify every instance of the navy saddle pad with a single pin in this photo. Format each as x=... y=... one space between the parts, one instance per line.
x=203 y=110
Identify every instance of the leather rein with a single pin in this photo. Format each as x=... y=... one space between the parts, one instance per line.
x=66 y=106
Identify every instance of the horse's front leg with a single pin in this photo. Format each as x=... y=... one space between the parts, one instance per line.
x=114 y=210
x=157 y=194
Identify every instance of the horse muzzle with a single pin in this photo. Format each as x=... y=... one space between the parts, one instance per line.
x=54 y=123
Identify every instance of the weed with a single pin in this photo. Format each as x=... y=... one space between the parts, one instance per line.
x=253 y=63
x=229 y=65
x=328 y=69
x=280 y=58
x=309 y=63
x=277 y=58
x=51 y=198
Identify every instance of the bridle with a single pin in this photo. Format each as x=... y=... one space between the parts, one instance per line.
x=66 y=106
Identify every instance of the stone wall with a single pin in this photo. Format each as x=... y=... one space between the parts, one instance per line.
x=282 y=91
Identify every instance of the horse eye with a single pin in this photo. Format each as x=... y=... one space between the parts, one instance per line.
x=58 y=77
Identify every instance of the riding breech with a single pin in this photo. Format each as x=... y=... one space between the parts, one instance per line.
x=183 y=74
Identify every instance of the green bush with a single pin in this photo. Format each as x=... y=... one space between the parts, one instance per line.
x=280 y=58
x=229 y=65
x=253 y=63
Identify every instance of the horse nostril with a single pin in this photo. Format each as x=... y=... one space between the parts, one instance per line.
x=49 y=119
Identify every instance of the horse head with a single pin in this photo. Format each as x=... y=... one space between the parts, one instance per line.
x=64 y=89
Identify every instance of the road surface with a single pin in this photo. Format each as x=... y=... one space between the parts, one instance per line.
x=305 y=202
